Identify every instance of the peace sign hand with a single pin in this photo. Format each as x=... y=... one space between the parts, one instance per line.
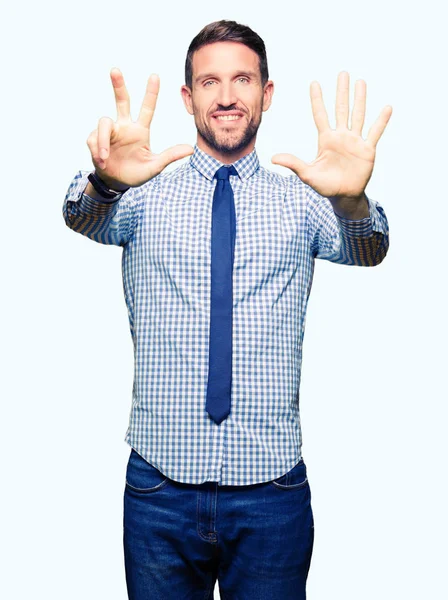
x=121 y=150
x=344 y=162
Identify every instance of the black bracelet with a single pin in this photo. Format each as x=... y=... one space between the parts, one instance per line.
x=102 y=189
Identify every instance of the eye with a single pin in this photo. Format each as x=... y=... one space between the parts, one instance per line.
x=239 y=79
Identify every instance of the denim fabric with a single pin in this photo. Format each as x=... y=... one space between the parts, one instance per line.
x=179 y=539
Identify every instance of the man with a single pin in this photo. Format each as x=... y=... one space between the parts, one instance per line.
x=218 y=259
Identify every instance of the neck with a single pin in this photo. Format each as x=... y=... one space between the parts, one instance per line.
x=225 y=158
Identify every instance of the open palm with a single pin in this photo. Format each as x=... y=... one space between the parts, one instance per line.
x=344 y=162
x=121 y=150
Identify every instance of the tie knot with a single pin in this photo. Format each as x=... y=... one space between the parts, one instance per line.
x=224 y=172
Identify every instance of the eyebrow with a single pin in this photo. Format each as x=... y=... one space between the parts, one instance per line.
x=252 y=74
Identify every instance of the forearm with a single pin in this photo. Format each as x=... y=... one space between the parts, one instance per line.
x=98 y=218
x=361 y=241
x=360 y=244
x=354 y=209
x=110 y=183
x=91 y=191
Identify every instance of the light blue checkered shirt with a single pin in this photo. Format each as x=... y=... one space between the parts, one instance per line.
x=164 y=227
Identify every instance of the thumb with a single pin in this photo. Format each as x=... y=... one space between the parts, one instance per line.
x=291 y=162
x=174 y=153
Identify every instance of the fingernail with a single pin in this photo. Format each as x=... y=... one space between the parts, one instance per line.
x=103 y=153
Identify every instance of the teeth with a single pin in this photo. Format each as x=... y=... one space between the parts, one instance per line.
x=229 y=117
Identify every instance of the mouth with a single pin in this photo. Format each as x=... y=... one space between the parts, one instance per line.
x=228 y=119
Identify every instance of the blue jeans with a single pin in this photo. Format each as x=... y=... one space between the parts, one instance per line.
x=179 y=538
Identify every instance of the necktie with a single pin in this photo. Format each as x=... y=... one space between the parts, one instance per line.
x=222 y=253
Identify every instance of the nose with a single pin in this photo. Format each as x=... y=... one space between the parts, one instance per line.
x=226 y=94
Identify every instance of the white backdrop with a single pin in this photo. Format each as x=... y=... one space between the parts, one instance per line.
x=373 y=394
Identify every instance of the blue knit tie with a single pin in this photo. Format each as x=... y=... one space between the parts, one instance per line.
x=223 y=246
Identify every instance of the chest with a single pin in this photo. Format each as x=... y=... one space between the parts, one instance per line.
x=174 y=244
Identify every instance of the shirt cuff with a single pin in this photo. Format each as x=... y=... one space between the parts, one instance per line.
x=359 y=227
x=86 y=203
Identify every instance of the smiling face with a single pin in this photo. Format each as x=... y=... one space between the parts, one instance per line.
x=227 y=82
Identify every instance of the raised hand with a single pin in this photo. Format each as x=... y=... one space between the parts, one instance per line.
x=344 y=162
x=121 y=150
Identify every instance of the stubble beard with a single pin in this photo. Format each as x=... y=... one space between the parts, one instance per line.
x=228 y=142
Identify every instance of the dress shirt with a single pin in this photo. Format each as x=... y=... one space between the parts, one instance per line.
x=164 y=227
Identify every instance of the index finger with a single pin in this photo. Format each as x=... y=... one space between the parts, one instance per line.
x=317 y=104
x=121 y=94
x=149 y=101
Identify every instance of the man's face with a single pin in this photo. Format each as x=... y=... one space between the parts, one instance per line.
x=227 y=80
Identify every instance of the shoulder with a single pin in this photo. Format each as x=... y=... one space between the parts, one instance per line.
x=166 y=177
x=292 y=186
x=289 y=183
x=271 y=178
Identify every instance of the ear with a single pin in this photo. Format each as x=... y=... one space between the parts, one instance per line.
x=186 y=97
x=267 y=94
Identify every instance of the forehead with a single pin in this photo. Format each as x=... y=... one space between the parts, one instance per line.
x=224 y=57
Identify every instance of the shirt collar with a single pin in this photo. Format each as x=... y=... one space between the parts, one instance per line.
x=208 y=165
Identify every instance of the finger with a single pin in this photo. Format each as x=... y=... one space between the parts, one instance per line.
x=359 y=107
x=149 y=101
x=92 y=143
x=376 y=131
x=121 y=95
x=342 y=100
x=318 y=107
x=105 y=126
x=172 y=154
x=291 y=162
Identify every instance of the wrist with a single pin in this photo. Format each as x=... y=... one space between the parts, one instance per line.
x=352 y=208
x=112 y=184
x=104 y=190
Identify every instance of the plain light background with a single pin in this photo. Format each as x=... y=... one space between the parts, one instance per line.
x=373 y=394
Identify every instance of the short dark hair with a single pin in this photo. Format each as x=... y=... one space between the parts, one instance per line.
x=227 y=31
